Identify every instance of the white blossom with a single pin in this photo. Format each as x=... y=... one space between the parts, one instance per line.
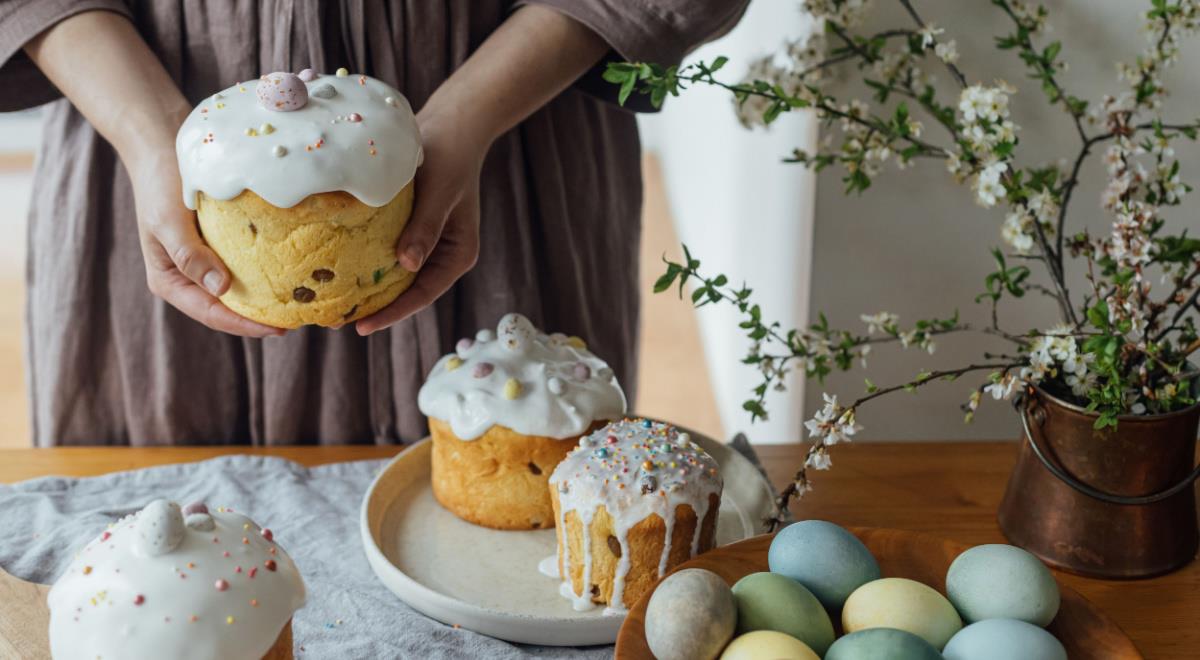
x=833 y=424
x=882 y=321
x=947 y=51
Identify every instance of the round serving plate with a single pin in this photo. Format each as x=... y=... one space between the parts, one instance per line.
x=487 y=580
x=1082 y=628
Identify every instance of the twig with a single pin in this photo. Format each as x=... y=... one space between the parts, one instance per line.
x=958 y=76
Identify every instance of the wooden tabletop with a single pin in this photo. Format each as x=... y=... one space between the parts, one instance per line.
x=946 y=489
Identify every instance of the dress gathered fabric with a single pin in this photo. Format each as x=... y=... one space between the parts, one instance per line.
x=560 y=195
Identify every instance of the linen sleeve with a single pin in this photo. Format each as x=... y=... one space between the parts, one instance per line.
x=658 y=31
x=22 y=85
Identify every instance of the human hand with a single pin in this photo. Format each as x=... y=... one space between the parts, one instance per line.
x=441 y=241
x=180 y=268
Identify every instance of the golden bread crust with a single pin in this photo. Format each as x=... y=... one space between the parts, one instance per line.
x=328 y=260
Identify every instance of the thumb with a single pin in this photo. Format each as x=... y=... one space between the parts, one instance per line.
x=424 y=228
x=187 y=250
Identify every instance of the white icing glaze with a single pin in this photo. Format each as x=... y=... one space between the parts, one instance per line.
x=353 y=133
x=518 y=377
x=153 y=586
x=634 y=468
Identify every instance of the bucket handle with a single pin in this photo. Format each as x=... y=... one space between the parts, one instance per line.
x=1078 y=485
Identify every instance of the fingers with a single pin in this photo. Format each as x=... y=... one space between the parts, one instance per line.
x=457 y=250
x=168 y=283
x=434 y=199
x=181 y=241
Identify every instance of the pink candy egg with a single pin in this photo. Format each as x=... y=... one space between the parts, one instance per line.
x=281 y=92
x=307 y=75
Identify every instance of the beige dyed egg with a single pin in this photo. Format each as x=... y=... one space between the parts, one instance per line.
x=904 y=605
x=762 y=644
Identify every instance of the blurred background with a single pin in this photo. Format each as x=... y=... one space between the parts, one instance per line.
x=914 y=244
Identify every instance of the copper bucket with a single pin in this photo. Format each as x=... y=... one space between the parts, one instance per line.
x=1109 y=504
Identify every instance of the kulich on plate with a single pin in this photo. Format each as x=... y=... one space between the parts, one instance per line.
x=634 y=500
x=503 y=410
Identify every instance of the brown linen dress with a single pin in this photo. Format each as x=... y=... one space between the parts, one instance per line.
x=561 y=195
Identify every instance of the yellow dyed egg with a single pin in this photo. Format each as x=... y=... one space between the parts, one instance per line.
x=904 y=605
x=768 y=644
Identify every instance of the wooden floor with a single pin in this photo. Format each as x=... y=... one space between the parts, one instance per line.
x=674 y=382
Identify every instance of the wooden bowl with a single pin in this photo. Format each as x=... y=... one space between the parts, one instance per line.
x=1082 y=628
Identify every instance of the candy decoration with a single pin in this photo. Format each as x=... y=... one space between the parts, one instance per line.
x=516 y=332
x=390 y=100
x=159 y=528
x=139 y=599
x=267 y=534
x=601 y=452
x=463 y=344
x=201 y=522
x=250 y=132
x=512 y=388
x=341 y=72
x=581 y=371
x=325 y=92
x=87 y=570
x=281 y=92
x=453 y=363
x=576 y=342
x=221 y=585
x=266 y=129
x=269 y=564
x=354 y=117
x=194 y=507
x=484 y=336
x=648 y=484
x=556 y=385
x=483 y=370
x=307 y=75
x=279 y=151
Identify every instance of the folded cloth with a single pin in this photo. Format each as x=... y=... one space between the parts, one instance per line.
x=314 y=513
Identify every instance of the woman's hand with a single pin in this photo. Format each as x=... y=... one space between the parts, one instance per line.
x=180 y=268
x=529 y=59
x=441 y=241
x=103 y=66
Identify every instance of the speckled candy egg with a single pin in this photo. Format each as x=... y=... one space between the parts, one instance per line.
x=882 y=644
x=769 y=601
x=281 y=92
x=762 y=644
x=902 y=604
x=1004 y=639
x=691 y=615
x=999 y=581
x=828 y=560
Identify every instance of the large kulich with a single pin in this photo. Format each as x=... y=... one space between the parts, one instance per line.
x=504 y=409
x=302 y=184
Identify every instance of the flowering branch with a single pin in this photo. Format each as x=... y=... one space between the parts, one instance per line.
x=1116 y=352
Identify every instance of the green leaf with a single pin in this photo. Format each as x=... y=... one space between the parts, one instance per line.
x=717 y=63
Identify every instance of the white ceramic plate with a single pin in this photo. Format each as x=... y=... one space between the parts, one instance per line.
x=487 y=580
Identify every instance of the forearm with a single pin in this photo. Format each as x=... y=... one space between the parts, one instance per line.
x=99 y=61
x=527 y=61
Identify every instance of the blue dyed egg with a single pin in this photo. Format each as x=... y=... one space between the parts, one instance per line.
x=999 y=581
x=828 y=560
x=1003 y=639
x=882 y=644
x=768 y=601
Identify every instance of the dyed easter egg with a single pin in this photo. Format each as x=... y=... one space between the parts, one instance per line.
x=281 y=92
x=769 y=601
x=828 y=560
x=999 y=581
x=691 y=615
x=902 y=604
x=768 y=644
x=882 y=644
x=1004 y=639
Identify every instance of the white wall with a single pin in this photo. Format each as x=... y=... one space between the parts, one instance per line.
x=742 y=212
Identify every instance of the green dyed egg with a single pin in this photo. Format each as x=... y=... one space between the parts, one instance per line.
x=767 y=601
x=902 y=604
x=882 y=644
x=998 y=581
